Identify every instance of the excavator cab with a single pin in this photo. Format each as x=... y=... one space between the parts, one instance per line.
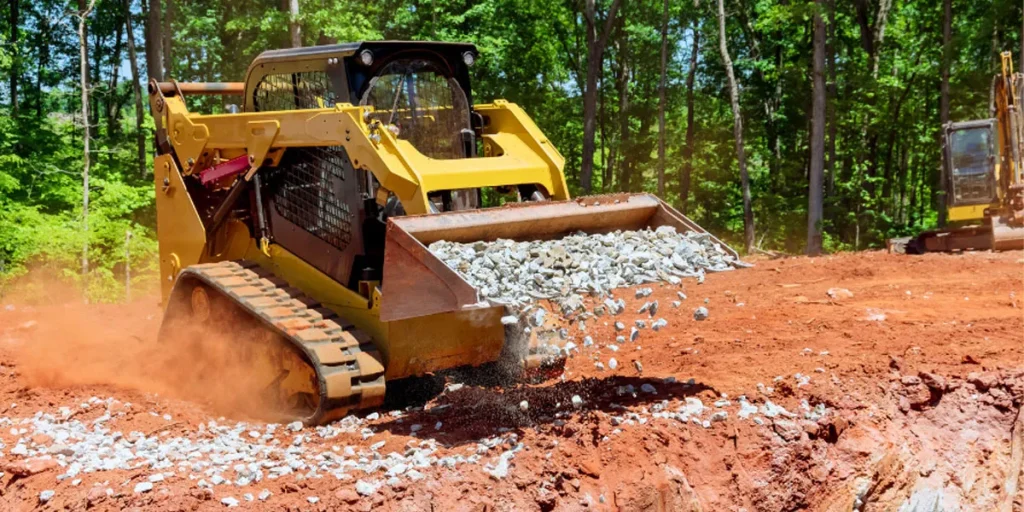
x=971 y=152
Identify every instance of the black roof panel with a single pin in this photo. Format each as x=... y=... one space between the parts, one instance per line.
x=346 y=49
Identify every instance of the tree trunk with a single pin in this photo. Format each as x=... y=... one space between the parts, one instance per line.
x=140 y=136
x=595 y=55
x=154 y=42
x=741 y=156
x=915 y=196
x=772 y=104
x=293 y=23
x=624 y=132
x=814 y=206
x=661 y=99
x=607 y=154
x=43 y=62
x=589 y=100
x=947 y=38
x=872 y=35
x=997 y=47
x=83 y=65
x=113 y=101
x=684 y=180
x=879 y=34
x=94 y=74
x=15 y=55
x=168 y=19
x=830 y=98
x=901 y=206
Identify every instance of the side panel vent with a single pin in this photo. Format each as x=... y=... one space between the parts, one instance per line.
x=312 y=190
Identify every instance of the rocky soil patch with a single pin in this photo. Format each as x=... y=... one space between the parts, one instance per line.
x=768 y=403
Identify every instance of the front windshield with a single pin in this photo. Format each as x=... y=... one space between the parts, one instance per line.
x=970 y=151
x=419 y=102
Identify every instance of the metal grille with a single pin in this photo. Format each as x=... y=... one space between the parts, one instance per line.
x=294 y=91
x=310 y=192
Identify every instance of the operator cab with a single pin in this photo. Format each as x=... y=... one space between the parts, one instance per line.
x=420 y=91
x=320 y=203
x=971 y=153
x=416 y=96
x=419 y=100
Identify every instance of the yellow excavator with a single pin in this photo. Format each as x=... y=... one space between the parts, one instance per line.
x=296 y=224
x=985 y=179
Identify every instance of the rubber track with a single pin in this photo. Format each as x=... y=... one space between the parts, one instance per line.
x=346 y=362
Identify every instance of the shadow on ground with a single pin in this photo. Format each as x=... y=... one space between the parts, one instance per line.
x=473 y=412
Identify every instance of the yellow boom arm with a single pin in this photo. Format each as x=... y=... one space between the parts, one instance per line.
x=515 y=150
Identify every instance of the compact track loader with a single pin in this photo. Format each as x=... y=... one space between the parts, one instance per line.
x=296 y=224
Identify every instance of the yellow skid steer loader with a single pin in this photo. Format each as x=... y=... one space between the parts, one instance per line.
x=298 y=224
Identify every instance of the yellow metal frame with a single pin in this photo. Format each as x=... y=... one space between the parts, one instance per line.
x=183 y=245
x=971 y=212
x=408 y=347
x=515 y=150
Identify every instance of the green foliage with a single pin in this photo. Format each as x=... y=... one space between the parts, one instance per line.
x=883 y=125
x=41 y=224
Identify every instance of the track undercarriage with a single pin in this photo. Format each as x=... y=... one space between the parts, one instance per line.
x=305 y=361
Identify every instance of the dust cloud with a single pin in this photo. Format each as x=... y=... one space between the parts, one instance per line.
x=118 y=345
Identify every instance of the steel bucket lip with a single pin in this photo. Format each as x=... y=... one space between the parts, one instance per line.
x=462 y=224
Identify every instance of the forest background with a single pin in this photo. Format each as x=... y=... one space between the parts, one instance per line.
x=779 y=125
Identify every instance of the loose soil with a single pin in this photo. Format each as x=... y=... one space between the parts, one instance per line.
x=920 y=374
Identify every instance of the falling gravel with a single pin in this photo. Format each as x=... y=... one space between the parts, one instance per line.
x=564 y=270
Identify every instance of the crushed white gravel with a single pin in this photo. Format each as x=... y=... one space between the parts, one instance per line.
x=564 y=270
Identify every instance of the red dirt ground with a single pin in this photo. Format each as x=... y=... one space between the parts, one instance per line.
x=921 y=373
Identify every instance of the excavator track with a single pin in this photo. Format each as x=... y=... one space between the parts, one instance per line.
x=348 y=373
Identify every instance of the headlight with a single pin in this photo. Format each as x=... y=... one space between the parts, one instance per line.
x=468 y=58
x=366 y=57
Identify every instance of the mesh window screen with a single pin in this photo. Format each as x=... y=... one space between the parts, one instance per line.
x=423 y=104
x=294 y=91
x=310 y=191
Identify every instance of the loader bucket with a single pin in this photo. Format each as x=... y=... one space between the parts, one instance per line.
x=417 y=283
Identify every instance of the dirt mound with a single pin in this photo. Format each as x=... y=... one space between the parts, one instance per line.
x=852 y=382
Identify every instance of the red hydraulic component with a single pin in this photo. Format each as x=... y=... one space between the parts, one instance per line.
x=224 y=169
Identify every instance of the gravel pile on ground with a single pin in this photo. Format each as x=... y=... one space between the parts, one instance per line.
x=223 y=455
x=237 y=463
x=564 y=270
